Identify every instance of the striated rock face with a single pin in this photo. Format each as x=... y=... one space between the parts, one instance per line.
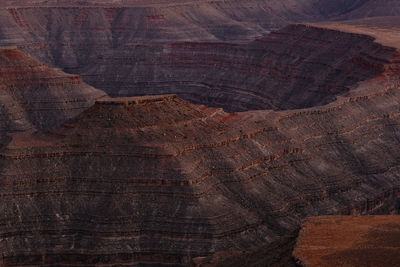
x=296 y=67
x=76 y=23
x=157 y=180
x=34 y=96
x=349 y=241
x=299 y=66
x=103 y=42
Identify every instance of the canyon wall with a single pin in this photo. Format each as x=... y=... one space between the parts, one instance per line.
x=157 y=180
x=35 y=97
x=129 y=48
x=296 y=67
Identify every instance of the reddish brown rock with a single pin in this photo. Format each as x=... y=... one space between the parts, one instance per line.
x=349 y=241
x=34 y=96
x=108 y=44
x=158 y=181
x=161 y=181
x=296 y=67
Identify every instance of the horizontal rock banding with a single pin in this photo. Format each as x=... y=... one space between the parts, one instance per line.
x=112 y=45
x=35 y=96
x=158 y=180
x=276 y=168
x=296 y=67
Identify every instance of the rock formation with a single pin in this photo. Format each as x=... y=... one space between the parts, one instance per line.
x=157 y=180
x=35 y=97
x=299 y=66
x=349 y=241
x=113 y=46
x=296 y=67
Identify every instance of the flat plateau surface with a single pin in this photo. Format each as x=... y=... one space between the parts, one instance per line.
x=350 y=241
x=386 y=30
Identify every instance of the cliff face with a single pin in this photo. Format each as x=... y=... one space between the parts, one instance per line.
x=137 y=21
x=34 y=96
x=158 y=180
x=296 y=67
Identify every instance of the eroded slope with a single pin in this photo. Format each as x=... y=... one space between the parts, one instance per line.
x=296 y=67
x=104 y=42
x=161 y=181
x=34 y=96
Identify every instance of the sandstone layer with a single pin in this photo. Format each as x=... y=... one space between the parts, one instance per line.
x=296 y=67
x=35 y=97
x=349 y=241
x=157 y=180
x=113 y=46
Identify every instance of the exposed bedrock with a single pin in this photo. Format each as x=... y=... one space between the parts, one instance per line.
x=74 y=23
x=103 y=44
x=35 y=97
x=349 y=241
x=296 y=67
x=157 y=180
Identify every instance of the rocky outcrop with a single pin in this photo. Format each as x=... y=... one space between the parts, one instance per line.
x=296 y=67
x=35 y=97
x=115 y=46
x=132 y=21
x=349 y=241
x=157 y=180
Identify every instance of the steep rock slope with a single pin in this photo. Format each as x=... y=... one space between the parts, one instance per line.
x=71 y=33
x=157 y=180
x=296 y=67
x=34 y=96
x=135 y=21
x=104 y=43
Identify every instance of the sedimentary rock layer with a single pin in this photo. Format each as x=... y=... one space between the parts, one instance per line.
x=136 y=21
x=349 y=241
x=34 y=96
x=299 y=66
x=296 y=67
x=104 y=43
x=157 y=180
